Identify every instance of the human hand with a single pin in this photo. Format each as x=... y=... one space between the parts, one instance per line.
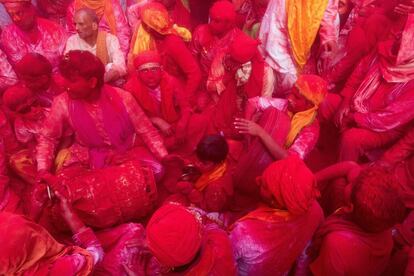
x=164 y=127
x=341 y=114
x=59 y=193
x=244 y=126
x=330 y=47
x=111 y=75
x=405 y=8
x=327 y=52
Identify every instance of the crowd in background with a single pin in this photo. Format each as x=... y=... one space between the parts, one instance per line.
x=202 y=137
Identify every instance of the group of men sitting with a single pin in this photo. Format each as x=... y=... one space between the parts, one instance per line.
x=172 y=137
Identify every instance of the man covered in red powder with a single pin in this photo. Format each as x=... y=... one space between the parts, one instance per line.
x=376 y=108
x=106 y=122
x=241 y=75
x=357 y=239
x=280 y=131
x=163 y=100
x=268 y=240
x=30 y=33
x=183 y=242
x=211 y=41
x=157 y=32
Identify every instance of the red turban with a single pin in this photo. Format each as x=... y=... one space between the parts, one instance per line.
x=174 y=235
x=33 y=64
x=16 y=95
x=243 y=48
x=147 y=57
x=223 y=9
x=292 y=184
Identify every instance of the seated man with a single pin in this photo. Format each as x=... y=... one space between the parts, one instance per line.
x=183 y=242
x=28 y=121
x=208 y=183
x=100 y=43
x=158 y=33
x=268 y=240
x=30 y=101
x=35 y=73
x=357 y=239
x=107 y=122
x=211 y=41
x=371 y=25
x=31 y=34
x=163 y=100
x=111 y=19
x=241 y=75
x=280 y=132
x=377 y=101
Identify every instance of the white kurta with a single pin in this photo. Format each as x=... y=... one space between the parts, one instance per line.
x=276 y=47
x=116 y=56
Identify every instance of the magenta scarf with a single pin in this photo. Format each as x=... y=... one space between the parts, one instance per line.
x=116 y=124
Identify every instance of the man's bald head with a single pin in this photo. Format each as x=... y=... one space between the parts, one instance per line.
x=89 y=13
x=86 y=23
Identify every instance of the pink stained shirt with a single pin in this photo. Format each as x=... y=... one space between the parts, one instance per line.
x=51 y=42
x=7 y=75
x=59 y=120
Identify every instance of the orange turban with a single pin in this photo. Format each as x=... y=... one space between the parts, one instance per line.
x=224 y=9
x=243 y=48
x=147 y=57
x=156 y=16
x=292 y=184
x=314 y=89
x=174 y=235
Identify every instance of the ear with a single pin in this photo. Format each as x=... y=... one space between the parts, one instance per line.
x=92 y=82
x=95 y=26
x=349 y=208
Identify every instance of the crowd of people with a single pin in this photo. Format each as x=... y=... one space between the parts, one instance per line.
x=207 y=137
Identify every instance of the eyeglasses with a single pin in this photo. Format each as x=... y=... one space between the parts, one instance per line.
x=148 y=70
